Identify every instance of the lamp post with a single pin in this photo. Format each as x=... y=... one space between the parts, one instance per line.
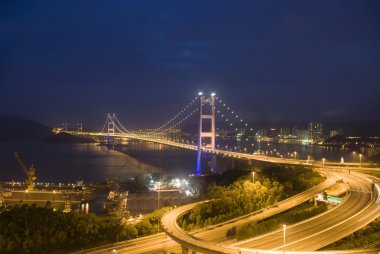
x=323 y=163
x=253 y=176
x=295 y=155
x=284 y=229
x=360 y=160
x=158 y=195
x=158 y=203
x=353 y=157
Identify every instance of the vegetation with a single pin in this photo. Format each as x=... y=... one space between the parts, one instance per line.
x=362 y=238
x=243 y=196
x=151 y=223
x=31 y=229
x=294 y=215
x=375 y=158
x=294 y=178
x=371 y=172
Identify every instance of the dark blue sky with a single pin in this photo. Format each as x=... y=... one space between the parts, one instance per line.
x=272 y=60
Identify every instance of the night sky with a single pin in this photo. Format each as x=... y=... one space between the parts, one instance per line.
x=76 y=61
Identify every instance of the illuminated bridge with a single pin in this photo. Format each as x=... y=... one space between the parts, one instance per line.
x=209 y=108
x=360 y=208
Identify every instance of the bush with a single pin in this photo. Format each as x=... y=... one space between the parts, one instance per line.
x=360 y=239
x=292 y=216
x=31 y=229
x=243 y=196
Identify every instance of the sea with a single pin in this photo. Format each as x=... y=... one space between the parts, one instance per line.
x=69 y=163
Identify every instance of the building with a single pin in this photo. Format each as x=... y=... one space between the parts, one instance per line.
x=59 y=200
x=334 y=133
x=261 y=134
x=302 y=135
x=315 y=132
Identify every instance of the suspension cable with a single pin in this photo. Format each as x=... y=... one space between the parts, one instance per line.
x=125 y=129
x=187 y=107
x=178 y=123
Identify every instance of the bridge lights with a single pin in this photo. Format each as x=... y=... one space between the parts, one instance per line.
x=200 y=93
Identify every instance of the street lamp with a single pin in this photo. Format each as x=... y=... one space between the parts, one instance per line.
x=253 y=176
x=158 y=195
x=158 y=203
x=323 y=162
x=353 y=157
x=284 y=227
x=295 y=155
x=360 y=159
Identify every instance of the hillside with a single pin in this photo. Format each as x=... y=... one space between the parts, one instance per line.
x=67 y=138
x=20 y=128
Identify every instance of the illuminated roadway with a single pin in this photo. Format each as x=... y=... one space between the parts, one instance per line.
x=320 y=231
x=160 y=242
x=358 y=210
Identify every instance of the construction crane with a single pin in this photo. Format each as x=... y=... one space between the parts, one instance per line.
x=31 y=172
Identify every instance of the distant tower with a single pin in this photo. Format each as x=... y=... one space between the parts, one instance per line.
x=209 y=135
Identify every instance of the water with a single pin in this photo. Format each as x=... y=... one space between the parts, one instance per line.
x=302 y=151
x=92 y=163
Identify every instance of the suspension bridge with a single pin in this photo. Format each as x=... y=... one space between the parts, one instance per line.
x=208 y=109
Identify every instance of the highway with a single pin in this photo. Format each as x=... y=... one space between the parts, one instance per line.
x=359 y=210
x=149 y=244
x=213 y=233
x=320 y=231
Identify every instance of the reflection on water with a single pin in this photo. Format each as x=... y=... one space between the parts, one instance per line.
x=287 y=150
x=89 y=162
x=68 y=162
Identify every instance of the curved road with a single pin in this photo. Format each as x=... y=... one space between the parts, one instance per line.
x=356 y=212
x=161 y=242
x=320 y=231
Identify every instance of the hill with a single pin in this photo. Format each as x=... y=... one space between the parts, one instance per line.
x=20 y=128
x=67 y=138
x=365 y=128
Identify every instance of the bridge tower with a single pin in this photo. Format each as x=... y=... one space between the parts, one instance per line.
x=207 y=113
x=111 y=127
x=80 y=127
x=111 y=124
